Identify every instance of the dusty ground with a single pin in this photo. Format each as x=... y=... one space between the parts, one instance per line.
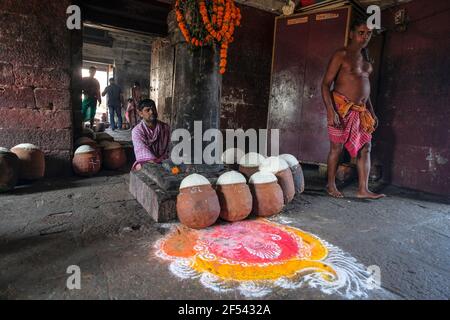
x=96 y=224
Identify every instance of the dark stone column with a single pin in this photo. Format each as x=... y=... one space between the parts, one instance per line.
x=76 y=93
x=197 y=83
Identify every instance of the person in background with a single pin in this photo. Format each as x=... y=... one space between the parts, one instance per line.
x=114 y=102
x=136 y=96
x=131 y=113
x=91 y=91
x=136 y=93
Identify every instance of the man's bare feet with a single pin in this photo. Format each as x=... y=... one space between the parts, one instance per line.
x=334 y=192
x=366 y=194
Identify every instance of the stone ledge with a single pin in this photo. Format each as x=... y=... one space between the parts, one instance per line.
x=159 y=204
x=157 y=190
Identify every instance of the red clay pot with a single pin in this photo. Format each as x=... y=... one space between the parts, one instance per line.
x=84 y=141
x=249 y=164
x=235 y=201
x=86 y=163
x=114 y=156
x=267 y=194
x=89 y=133
x=299 y=179
x=102 y=136
x=198 y=206
x=248 y=171
x=9 y=171
x=286 y=182
x=31 y=161
x=100 y=127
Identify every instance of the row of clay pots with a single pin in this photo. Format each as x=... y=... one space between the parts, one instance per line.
x=272 y=184
x=250 y=163
x=90 y=156
x=88 y=161
x=199 y=205
x=285 y=167
x=24 y=161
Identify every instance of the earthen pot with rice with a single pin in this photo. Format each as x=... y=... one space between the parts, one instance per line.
x=234 y=196
x=267 y=194
x=198 y=205
x=297 y=172
x=249 y=164
x=281 y=170
x=231 y=157
x=9 y=170
x=31 y=161
x=86 y=161
x=114 y=156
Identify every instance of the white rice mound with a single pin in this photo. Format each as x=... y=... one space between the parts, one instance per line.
x=194 y=180
x=26 y=146
x=273 y=165
x=263 y=177
x=232 y=177
x=290 y=159
x=84 y=149
x=4 y=149
x=251 y=159
x=232 y=155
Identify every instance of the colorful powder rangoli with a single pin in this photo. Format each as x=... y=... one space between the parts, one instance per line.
x=256 y=255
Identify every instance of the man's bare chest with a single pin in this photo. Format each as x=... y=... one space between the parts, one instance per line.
x=357 y=66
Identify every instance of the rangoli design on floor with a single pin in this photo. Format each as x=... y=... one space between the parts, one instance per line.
x=255 y=256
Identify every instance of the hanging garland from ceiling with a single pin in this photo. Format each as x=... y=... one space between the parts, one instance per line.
x=205 y=22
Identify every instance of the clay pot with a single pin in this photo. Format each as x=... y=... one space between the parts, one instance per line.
x=9 y=170
x=101 y=136
x=100 y=127
x=231 y=157
x=114 y=156
x=267 y=194
x=346 y=172
x=281 y=169
x=85 y=141
x=297 y=172
x=197 y=203
x=31 y=161
x=86 y=161
x=376 y=173
x=89 y=133
x=234 y=196
x=249 y=164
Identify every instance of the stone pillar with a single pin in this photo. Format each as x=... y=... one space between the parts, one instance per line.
x=197 y=83
x=76 y=93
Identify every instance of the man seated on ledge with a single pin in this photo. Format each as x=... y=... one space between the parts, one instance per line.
x=151 y=137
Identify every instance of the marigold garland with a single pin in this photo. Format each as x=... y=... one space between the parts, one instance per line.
x=210 y=21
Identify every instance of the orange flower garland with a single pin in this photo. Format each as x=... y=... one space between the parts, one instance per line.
x=219 y=18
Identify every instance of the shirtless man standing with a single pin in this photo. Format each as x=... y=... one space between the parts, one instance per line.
x=350 y=115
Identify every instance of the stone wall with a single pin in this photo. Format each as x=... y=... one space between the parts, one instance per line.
x=35 y=79
x=412 y=143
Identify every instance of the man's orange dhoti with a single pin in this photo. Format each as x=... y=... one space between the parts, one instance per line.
x=357 y=125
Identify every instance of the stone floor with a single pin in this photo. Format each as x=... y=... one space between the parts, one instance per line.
x=97 y=225
x=120 y=135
